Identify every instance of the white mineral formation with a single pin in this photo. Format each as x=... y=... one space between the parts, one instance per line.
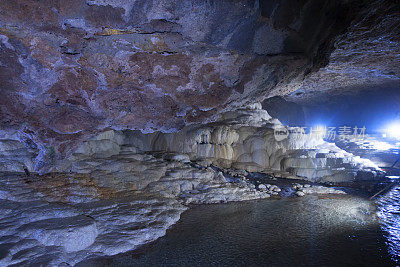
x=123 y=189
x=245 y=140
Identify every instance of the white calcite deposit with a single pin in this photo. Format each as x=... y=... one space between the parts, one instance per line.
x=41 y=225
x=123 y=189
x=243 y=140
x=307 y=189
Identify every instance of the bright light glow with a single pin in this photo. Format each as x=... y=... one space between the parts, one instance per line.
x=319 y=130
x=381 y=145
x=393 y=130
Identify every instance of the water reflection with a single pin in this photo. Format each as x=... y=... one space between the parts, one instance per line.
x=309 y=231
x=389 y=213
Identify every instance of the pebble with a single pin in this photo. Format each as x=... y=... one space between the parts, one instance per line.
x=262 y=187
x=297 y=186
x=300 y=194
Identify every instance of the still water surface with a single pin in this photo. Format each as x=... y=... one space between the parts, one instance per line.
x=308 y=231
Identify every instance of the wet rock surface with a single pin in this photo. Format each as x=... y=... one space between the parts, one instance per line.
x=62 y=217
x=66 y=221
x=68 y=218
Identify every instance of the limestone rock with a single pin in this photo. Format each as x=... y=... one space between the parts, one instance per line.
x=99 y=148
x=71 y=233
x=181 y=158
x=68 y=218
x=300 y=194
x=262 y=187
x=322 y=190
x=74 y=69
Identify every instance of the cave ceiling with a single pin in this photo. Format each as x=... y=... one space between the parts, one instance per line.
x=71 y=69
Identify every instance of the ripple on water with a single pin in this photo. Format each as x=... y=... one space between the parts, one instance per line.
x=309 y=231
x=389 y=214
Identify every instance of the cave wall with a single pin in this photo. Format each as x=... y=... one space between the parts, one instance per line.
x=244 y=140
x=70 y=69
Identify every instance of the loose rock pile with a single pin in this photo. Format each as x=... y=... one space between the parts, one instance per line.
x=306 y=189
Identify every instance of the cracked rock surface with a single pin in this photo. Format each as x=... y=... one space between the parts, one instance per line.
x=70 y=69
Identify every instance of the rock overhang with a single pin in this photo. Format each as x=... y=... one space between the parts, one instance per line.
x=72 y=69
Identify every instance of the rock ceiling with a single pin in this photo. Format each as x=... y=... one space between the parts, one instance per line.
x=366 y=57
x=70 y=69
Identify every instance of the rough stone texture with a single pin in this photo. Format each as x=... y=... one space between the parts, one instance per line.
x=366 y=56
x=307 y=189
x=123 y=189
x=245 y=140
x=360 y=84
x=111 y=203
x=77 y=78
x=38 y=228
x=71 y=69
x=359 y=87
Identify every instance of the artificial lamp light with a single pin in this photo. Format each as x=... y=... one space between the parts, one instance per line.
x=393 y=130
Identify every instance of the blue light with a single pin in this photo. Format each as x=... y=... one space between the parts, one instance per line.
x=393 y=130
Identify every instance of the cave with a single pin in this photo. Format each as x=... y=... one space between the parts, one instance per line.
x=199 y=132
